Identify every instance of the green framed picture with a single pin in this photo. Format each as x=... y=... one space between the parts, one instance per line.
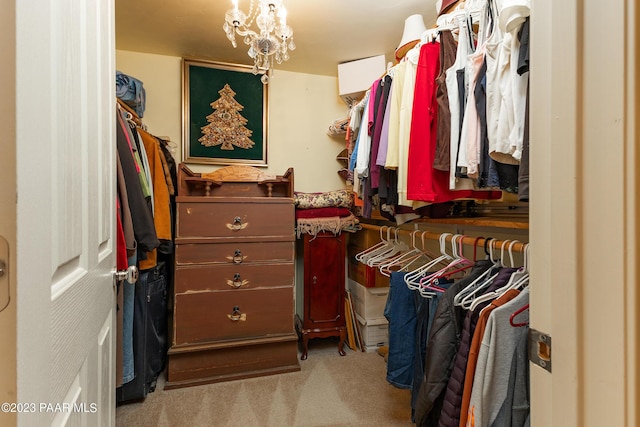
x=224 y=114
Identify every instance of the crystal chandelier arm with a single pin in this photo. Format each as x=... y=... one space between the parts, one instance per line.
x=273 y=38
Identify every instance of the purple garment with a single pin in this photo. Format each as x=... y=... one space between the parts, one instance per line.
x=378 y=117
x=384 y=134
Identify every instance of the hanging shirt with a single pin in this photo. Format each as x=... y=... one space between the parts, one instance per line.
x=379 y=114
x=502 y=148
x=472 y=119
x=492 y=51
x=490 y=383
x=448 y=49
x=455 y=107
x=395 y=100
x=406 y=114
x=384 y=133
x=512 y=15
x=423 y=136
x=363 y=144
x=356 y=119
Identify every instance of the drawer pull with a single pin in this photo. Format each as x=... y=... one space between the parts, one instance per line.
x=237 y=257
x=236 y=282
x=237 y=316
x=237 y=224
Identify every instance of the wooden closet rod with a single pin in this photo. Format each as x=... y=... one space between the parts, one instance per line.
x=131 y=111
x=467 y=240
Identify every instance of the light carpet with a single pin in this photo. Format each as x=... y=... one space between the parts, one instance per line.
x=330 y=390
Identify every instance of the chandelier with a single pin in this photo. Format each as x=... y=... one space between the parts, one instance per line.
x=274 y=38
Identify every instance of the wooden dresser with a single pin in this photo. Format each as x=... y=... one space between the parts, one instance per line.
x=233 y=297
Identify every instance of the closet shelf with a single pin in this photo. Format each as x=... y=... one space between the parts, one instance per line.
x=517 y=223
x=496 y=222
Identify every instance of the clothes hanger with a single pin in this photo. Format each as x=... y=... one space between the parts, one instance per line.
x=359 y=256
x=463 y=297
x=412 y=279
x=514 y=281
x=427 y=284
x=428 y=256
x=388 y=244
x=515 y=314
x=403 y=259
x=430 y=293
x=457 y=259
x=524 y=279
x=467 y=263
x=452 y=20
x=396 y=248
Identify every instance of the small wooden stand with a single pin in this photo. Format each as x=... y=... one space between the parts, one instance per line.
x=324 y=280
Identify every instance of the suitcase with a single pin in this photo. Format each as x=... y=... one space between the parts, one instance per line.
x=150 y=321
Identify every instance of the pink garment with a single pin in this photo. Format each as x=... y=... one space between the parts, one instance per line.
x=372 y=97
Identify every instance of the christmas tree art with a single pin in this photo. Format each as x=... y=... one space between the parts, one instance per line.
x=226 y=125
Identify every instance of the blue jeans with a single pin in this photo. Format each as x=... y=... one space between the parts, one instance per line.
x=128 y=289
x=400 y=311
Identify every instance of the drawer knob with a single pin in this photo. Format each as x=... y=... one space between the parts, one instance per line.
x=237 y=224
x=237 y=315
x=237 y=282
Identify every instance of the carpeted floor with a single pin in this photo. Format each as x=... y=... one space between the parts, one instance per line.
x=328 y=391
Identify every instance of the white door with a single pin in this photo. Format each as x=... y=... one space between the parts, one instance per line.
x=65 y=145
x=585 y=211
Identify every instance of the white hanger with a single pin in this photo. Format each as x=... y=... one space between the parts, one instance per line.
x=456 y=259
x=403 y=260
x=412 y=279
x=395 y=250
x=463 y=297
x=524 y=279
x=361 y=255
x=452 y=20
x=513 y=280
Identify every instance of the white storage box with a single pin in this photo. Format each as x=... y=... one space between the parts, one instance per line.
x=368 y=303
x=375 y=332
x=355 y=77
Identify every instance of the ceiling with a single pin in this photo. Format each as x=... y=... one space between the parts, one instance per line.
x=326 y=32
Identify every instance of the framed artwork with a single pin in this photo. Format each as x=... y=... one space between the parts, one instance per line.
x=224 y=114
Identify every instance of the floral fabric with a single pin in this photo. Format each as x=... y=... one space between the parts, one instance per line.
x=337 y=198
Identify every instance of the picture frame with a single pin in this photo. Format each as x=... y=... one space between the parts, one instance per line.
x=224 y=114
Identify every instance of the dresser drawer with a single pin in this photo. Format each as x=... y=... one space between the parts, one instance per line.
x=233 y=253
x=235 y=219
x=233 y=277
x=207 y=316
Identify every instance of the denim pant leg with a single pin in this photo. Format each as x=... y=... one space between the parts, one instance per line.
x=128 y=371
x=422 y=305
x=401 y=314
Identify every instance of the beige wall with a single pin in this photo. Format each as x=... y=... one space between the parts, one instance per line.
x=8 y=207
x=301 y=108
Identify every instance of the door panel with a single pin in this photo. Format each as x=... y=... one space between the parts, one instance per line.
x=584 y=211
x=65 y=147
